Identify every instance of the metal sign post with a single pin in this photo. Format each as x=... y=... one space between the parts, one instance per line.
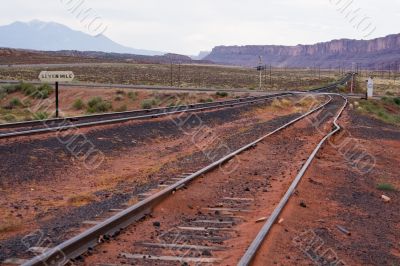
x=261 y=68
x=57 y=100
x=370 y=88
x=57 y=77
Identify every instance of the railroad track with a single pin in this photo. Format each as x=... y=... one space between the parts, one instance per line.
x=227 y=217
x=11 y=130
x=122 y=218
x=54 y=125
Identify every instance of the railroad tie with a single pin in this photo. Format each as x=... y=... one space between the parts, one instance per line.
x=203 y=229
x=213 y=222
x=38 y=250
x=15 y=261
x=170 y=258
x=91 y=222
x=226 y=210
x=176 y=246
x=238 y=199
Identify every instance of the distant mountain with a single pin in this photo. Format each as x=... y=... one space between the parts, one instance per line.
x=201 y=55
x=380 y=53
x=51 y=36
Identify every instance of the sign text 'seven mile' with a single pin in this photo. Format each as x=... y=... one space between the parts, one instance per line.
x=56 y=76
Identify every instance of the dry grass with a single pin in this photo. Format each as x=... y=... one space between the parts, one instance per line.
x=80 y=200
x=384 y=84
x=81 y=101
x=132 y=201
x=282 y=103
x=221 y=77
x=9 y=224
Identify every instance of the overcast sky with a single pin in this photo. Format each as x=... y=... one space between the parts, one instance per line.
x=190 y=26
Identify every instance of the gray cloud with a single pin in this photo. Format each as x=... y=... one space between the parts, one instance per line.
x=193 y=25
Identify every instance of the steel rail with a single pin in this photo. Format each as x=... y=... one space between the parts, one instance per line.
x=104 y=115
x=334 y=85
x=256 y=244
x=134 y=87
x=159 y=112
x=78 y=245
x=125 y=119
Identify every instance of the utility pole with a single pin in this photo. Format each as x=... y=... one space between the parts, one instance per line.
x=315 y=70
x=171 y=76
x=319 y=72
x=260 y=69
x=265 y=75
x=179 y=75
x=352 y=84
x=270 y=74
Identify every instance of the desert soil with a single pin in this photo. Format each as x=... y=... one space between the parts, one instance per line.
x=340 y=192
x=44 y=187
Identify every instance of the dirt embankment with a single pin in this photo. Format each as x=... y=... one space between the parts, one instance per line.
x=43 y=185
x=345 y=221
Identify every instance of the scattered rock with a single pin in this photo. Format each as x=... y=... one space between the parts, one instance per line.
x=343 y=230
x=281 y=221
x=263 y=219
x=386 y=198
x=156 y=224
x=206 y=253
x=303 y=204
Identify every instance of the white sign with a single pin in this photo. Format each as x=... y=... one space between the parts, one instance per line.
x=56 y=76
x=370 y=88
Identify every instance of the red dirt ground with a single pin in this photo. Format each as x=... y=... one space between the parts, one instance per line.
x=337 y=194
x=34 y=199
x=257 y=177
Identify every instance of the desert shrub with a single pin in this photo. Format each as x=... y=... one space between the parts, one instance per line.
x=9 y=89
x=148 y=104
x=397 y=100
x=377 y=109
x=122 y=108
x=386 y=187
x=40 y=115
x=119 y=98
x=132 y=95
x=98 y=105
x=78 y=104
x=120 y=92
x=208 y=100
x=9 y=118
x=27 y=103
x=43 y=91
x=27 y=88
x=15 y=102
x=222 y=94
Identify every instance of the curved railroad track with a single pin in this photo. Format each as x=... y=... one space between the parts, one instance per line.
x=85 y=242
x=11 y=130
x=54 y=125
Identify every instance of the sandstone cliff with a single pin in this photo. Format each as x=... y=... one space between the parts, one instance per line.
x=377 y=53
